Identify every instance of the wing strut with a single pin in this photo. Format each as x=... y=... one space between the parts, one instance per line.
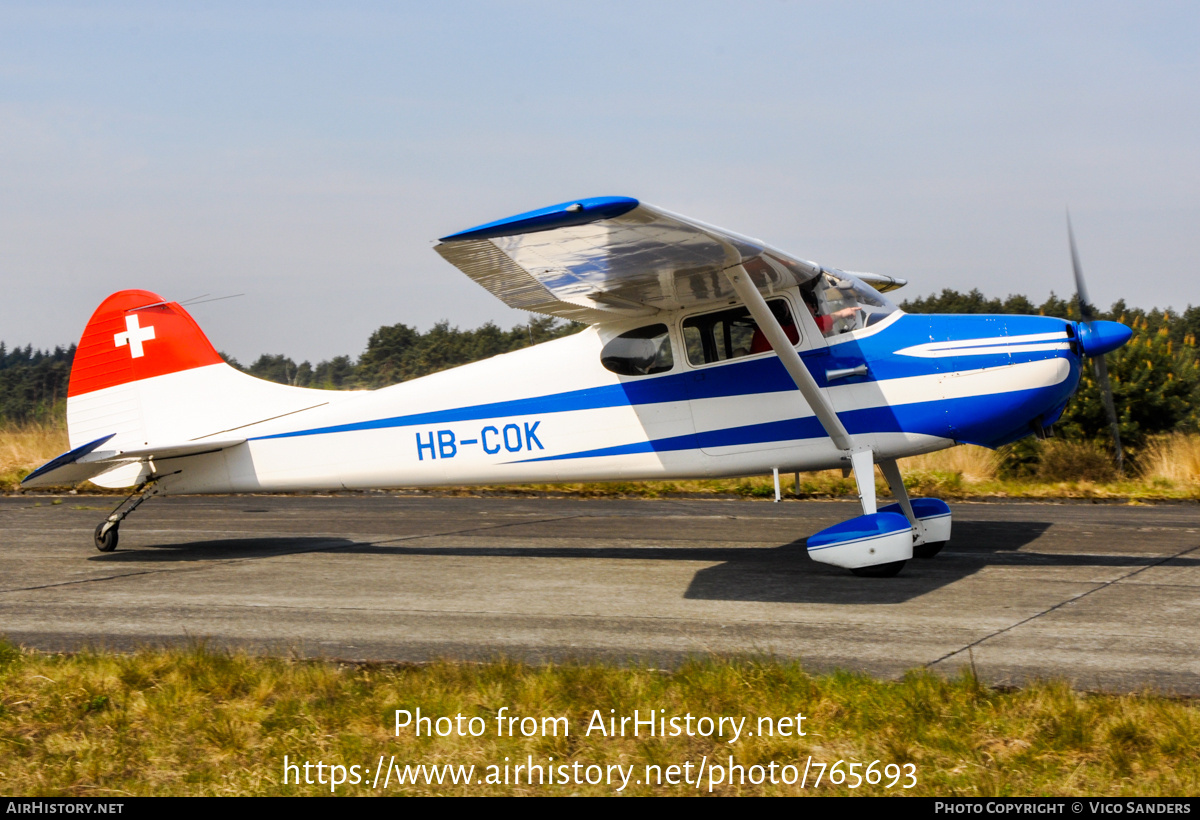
x=861 y=458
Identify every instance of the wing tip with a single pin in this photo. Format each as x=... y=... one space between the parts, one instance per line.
x=563 y=215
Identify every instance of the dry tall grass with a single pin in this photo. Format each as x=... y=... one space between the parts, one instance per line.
x=1061 y=461
x=974 y=464
x=25 y=447
x=1174 y=458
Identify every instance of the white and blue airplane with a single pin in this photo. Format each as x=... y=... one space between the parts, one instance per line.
x=707 y=354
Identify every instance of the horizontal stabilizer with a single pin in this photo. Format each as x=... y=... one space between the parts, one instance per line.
x=89 y=460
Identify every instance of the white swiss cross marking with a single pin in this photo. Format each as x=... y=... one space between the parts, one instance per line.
x=134 y=336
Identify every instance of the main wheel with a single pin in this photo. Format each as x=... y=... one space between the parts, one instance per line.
x=928 y=550
x=890 y=570
x=107 y=541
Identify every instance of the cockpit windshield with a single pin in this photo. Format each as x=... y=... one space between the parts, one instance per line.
x=841 y=303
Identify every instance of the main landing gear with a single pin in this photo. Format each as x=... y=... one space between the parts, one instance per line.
x=888 y=570
x=927 y=550
x=108 y=531
x=880 y=542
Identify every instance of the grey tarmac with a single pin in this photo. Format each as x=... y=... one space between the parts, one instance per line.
x=1104 y=595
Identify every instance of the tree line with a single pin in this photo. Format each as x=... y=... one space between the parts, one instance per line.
x=33 y=383
x=1155 y=378
x=397 y=353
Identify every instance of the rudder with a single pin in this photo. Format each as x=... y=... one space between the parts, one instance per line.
x=145 y=371
x=133 y=335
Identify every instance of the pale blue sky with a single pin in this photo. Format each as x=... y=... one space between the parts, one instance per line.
x=308 y=155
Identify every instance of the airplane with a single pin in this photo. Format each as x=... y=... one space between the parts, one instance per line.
x=707 y=354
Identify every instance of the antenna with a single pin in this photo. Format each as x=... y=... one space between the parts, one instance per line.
x=200 y=300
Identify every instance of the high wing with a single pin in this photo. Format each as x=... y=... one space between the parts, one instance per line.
x=605 y=258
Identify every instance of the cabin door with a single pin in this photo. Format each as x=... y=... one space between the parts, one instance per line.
x=741 y=397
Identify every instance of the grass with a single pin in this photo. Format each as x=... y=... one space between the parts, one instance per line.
x=202 y=722
x=1172 y=460
x=25 y=447
x=1168 y=468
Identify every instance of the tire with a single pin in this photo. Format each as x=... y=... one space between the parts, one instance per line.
x=880 y=570
x=928 y=550
x=108 y=541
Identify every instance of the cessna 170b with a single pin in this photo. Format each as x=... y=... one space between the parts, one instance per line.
x=707 y=354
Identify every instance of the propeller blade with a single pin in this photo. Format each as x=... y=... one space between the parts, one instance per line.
x=1086 y=313
x=1110 y=408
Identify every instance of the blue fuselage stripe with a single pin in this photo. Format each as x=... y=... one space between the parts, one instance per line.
x=926 y=418
x=767 y=375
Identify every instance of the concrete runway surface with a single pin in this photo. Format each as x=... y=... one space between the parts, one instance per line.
x=1107 y=596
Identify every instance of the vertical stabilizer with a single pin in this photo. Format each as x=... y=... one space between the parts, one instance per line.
x=146 y=375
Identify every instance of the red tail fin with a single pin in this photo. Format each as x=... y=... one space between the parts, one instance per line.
x=145 y=376
x=135 y=335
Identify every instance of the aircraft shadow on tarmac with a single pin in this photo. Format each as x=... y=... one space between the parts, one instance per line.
x=223 y=549
x=783 y=574
x=789 y=576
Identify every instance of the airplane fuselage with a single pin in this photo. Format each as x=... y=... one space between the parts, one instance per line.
x=906 y=385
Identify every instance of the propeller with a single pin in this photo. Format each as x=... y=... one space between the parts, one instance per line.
x=1097 y=338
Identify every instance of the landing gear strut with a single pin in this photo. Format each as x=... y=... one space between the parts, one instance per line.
x=930 y=518
x=878 y=542
x=108 y=530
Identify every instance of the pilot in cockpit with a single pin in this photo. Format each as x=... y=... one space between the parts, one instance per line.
x=831 y=308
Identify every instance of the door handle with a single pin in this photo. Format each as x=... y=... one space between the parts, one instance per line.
x=844 y=372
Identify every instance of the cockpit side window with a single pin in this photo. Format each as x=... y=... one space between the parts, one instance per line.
x=729 y=334
x=841 y=305
x=640 y=352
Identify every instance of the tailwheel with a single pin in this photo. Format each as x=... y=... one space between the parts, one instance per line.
x=106 y=532
x=106 y=536
x=888 y=570
x=928 y=549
